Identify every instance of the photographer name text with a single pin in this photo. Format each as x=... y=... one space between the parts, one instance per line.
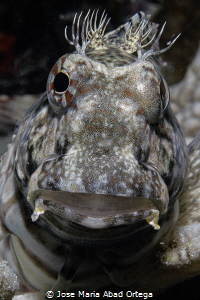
x=106 y=294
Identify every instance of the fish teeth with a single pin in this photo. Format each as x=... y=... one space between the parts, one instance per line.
x=39 y=210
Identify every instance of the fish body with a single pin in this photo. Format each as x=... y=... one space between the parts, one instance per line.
x=91 y=179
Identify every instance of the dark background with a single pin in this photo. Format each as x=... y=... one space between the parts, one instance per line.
x=32 y=36
x=32 y=39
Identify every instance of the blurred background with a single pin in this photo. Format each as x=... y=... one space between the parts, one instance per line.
x=32 y=39
x=32 y=36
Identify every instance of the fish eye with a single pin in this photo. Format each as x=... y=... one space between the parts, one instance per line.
x=61 y=82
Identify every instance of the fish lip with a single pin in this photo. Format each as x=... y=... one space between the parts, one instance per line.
x=97 y=211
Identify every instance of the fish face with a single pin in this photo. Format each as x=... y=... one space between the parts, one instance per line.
x=101 y=148
x=90 y=181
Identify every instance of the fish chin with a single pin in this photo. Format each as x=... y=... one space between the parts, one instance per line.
x=97 y=211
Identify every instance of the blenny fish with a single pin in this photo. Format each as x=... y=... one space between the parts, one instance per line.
x=91 y=179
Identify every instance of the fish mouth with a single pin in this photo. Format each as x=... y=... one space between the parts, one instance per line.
x=97 y=211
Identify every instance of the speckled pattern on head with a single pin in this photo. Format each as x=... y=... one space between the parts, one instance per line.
x=100 y=155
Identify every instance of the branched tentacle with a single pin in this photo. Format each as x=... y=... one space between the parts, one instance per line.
x=133 y=36
x=153 y=50
x=91 y=32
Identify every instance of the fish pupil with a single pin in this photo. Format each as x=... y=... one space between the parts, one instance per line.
x=61 y=82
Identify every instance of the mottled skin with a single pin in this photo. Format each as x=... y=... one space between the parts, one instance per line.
x=99 y=142
x=106 y=129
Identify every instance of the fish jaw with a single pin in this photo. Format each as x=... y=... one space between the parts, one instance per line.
x=98 y=210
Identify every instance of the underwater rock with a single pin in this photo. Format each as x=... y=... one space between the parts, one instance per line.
x=9 y=283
